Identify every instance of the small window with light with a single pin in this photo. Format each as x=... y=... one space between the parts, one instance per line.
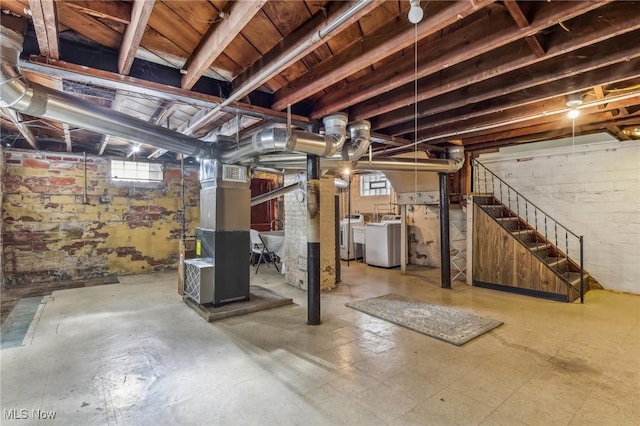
x=136 y=171
x=374 y=184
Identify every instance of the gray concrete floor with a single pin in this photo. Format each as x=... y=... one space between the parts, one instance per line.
x=134 y=353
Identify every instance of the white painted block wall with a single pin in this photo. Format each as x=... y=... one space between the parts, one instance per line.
x=594 y=190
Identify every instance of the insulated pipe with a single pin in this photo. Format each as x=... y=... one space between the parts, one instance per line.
x=17 y=93
x=276 y=67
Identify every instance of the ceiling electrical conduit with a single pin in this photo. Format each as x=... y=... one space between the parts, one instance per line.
x=17 y=93
x=277 y=66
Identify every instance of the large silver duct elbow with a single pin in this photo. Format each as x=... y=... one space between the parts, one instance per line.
x=360 y=132
x=17 y=93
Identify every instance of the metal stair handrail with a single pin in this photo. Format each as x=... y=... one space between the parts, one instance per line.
x=491 y=189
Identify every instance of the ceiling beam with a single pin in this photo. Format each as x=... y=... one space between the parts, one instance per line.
x=117 y=11
x=522 y=22
x=543 y=73
x=218 y=38
x=302 y=34
x=477 y=40
x=140 y=13
x=550 y=111
x=16 y=119
x=45 y=25
x=599 y=91
x=374 y=48
x=115 y=81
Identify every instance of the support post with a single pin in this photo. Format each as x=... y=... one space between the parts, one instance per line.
x=313 y=239
x=336 y=220
x=445 y=252
x=403 y=239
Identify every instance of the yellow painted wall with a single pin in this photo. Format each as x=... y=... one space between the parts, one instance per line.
x=51 y=234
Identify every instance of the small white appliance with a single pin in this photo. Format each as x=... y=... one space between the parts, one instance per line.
x=383 y=242
x=347 y=249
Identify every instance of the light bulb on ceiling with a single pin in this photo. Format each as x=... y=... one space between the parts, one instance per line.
x=573 y=113
x=346 y=171
x=136 y=148
x=574 y=101
x=415 y=13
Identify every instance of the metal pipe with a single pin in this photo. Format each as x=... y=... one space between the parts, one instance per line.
x=278 y=65
x=263 y=198
x=17 y=93
x=282 y=140
x=445 y=250
x=581 y=269
x=84 y=193
x=313 y=240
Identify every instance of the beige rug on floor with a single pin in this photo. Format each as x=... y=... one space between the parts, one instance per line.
x=448 y=324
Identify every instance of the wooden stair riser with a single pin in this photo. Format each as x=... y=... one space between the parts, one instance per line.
x=542 y=248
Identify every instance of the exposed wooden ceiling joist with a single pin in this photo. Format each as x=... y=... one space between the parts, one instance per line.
x=140 y=13
x=521 y=20
x=149 y=88
x=372 y=49
x=482 y=39
x=616 y=61
x=307 y=31
x=16 y=119
x=217 y=40
x=45 y=24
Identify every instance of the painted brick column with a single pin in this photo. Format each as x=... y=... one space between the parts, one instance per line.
x=295 y=260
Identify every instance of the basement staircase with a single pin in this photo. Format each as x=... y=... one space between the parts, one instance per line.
x=520 y=248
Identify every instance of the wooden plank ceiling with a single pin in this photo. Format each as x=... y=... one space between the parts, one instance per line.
x=480 y=73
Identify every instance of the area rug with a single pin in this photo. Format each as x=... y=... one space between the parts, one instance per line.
x=448 y=324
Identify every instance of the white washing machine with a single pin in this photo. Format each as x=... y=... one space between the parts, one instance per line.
x=347 y=248
x=383 y=242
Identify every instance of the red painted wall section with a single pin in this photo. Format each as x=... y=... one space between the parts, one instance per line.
x=50 y=234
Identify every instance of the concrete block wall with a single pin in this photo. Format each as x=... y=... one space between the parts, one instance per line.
x=594 y=190
x=50 y=234
x=295 y=206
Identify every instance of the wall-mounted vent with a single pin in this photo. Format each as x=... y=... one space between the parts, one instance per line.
x=234 y=173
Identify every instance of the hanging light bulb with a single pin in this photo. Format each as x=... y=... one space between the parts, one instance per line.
x=573 y=113
x=415 y=13
x=574 y=101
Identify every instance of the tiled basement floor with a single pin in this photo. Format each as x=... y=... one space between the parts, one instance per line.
x=134 y=353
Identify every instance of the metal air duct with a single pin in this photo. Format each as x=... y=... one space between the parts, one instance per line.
x=21 y=95
x=282 y=140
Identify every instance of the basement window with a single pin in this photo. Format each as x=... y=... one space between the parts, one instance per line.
x=374 y=184
x=136 y=171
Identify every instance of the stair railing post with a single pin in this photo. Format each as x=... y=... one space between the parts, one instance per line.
x=581 y=271
x=566 y=244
